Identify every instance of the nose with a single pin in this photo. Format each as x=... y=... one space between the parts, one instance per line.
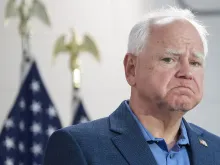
x=184 y=71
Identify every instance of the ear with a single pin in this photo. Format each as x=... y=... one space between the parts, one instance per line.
x=129 y=66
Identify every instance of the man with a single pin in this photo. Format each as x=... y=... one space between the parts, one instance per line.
x=164 y=66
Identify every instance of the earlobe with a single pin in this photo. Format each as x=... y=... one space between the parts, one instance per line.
x=129 y=66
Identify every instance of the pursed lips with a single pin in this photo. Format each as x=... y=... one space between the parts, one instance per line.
x=187 y=87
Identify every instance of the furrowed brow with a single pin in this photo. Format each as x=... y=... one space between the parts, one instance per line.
x=199 y=55
x=174 y=52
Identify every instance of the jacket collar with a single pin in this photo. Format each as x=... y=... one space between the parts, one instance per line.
x=202 y=150
x=132 y=145
x=130 y=141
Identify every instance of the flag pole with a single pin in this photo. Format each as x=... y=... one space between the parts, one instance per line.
x=26 y=52
x=76 y=83
x=74 y=48
x=24 y=12
x=24 y=33
x=33 y=117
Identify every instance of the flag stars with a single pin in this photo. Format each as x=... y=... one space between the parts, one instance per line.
x=9 y=143
x=51 y=112
x=9 y=161
x=36 y=128
x=21 y=126
x=50 y=130
x=35 y=86
x=36 y=149
x=9 y=123
x=21 y=147
x=36 y=107
x=31 y=120
x=22 y=104
x=83 y=120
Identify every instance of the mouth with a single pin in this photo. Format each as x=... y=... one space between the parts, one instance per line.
x=185 y=88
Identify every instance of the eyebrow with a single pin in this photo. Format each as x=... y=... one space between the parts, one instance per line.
x=174 y=52
x=199 y=55
x=178 y=53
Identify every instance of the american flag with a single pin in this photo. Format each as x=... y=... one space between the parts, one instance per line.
x=30 y=122
x=80 y=115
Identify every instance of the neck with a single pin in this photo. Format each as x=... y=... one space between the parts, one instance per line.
x=161 y=123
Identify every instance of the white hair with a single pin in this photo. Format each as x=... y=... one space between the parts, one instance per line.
x=139 y=32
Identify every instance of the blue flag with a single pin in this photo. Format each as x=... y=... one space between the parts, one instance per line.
x=32 y=119
x=80 y=115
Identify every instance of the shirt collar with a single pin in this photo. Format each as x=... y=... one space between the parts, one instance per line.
x=183 y=138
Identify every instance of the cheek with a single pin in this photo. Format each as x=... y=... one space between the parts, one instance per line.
x=199 y=81
x=164 y=80
x=166 y=74
x=154 y=77
x=161 y=79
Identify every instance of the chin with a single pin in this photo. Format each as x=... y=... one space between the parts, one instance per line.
x=184 y=104
x=182 y=107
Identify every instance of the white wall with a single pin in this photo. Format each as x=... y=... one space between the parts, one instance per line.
x=108 y=21
x=104 y=85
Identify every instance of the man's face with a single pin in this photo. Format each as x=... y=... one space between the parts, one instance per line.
x=169 y=71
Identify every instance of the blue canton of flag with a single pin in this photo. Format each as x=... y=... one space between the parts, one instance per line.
x=29 y=124
x=80 y=115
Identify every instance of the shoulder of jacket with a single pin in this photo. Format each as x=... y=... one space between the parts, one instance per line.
x=209 y=135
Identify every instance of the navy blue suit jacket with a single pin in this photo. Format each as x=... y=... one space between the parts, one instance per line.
x=117 y=140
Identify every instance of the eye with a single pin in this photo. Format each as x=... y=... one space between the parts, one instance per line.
x=195 y=63
x=168 y=60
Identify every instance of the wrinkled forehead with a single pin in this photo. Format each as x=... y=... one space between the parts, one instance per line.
x=176 y=37
x=178 y=52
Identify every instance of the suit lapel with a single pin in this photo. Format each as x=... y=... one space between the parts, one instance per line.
x=132 y=145
x=129 y=139
x=199 y=152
